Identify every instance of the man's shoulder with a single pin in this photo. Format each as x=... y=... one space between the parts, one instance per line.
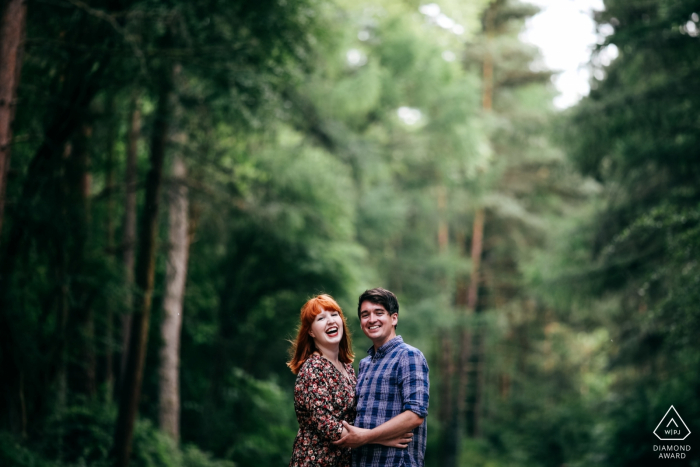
x=407 y=349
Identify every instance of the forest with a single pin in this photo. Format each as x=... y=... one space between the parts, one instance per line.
x=178 y=178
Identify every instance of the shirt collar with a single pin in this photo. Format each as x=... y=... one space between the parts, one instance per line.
x=386 y=348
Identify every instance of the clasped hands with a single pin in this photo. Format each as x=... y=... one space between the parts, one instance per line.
x=354 y=437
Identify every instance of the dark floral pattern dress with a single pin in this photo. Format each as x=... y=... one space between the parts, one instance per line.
x=323 y=398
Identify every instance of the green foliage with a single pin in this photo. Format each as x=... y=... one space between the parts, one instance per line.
x=633 y=135
x=331 y=147
x=12 y=452
x=81 y=436
x=265 y=431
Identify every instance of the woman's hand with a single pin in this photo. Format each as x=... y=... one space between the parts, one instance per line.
x=400 y=441
x=357 y=437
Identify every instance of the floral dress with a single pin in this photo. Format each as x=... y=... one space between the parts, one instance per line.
x=323 y=398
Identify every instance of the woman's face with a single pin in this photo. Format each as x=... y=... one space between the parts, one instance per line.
x=327 y=329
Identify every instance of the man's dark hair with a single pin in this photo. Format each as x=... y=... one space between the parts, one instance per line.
x=381 y=297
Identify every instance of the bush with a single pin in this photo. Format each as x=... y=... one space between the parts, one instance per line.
x=81 y=436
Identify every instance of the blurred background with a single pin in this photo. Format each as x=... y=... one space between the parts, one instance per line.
x=178 y=178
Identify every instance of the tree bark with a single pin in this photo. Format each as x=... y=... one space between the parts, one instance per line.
x=447 y=370
x=109 y=313
x=76 y=88
x=467 y=298
x=88 y=325
x=143 y=275
x=446 y=367
x=169 y=410
x=129 y=246
x=75 y=189
x=477 y=248
x=478 y=239
x=12 y=26
x=467 y=355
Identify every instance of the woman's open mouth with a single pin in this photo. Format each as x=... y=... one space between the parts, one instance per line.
x=332 y=332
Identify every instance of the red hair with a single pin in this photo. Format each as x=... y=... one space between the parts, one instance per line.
x=303 y=346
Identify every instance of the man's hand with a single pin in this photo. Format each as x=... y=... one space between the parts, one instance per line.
x=354 y=437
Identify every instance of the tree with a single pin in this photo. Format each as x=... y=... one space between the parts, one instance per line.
x=12 y=24
x=635 y=135
x=179 y=233
x=129 y=241
x=144 y=275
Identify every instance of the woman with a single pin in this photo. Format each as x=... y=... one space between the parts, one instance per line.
x=324 y=393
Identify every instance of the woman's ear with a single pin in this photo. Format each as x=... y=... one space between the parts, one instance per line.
x=311 y=333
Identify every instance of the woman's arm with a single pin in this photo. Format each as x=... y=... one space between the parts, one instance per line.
x=400 y=441
x=391 y=431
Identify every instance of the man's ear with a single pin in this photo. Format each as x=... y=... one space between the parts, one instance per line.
x=394 y=319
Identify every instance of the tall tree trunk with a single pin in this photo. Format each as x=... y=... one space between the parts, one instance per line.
x=478 y=239
x=448 y=455
x=445 y=362
x=76 y=191
x=78 y=85
x=477 y=247
x=475 y=411
x=143 y=275
x=109 y=312
x=89 y=353
x=467 y=298
x=470 y=362
x=130 y=222
x=446 y=367
x=12 y=24
x=169 y=410
x=60 y=262
x=456 y=428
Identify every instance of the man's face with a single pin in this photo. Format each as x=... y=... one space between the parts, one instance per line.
x=377 y=324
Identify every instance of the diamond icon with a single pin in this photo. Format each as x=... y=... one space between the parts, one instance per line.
x=672 y=427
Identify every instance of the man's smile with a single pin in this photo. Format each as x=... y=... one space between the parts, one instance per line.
x=377 y=323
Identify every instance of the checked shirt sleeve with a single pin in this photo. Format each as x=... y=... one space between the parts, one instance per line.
x=317 y=398
x=414 y=383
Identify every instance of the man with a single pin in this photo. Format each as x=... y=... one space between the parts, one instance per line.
x=392 y=389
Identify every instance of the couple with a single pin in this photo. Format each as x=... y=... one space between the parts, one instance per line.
x=381 y=414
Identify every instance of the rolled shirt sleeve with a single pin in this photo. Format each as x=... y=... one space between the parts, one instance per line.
x=414 y=382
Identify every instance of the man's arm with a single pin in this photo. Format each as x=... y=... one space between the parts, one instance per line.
x=392 y=429
x=414 y=387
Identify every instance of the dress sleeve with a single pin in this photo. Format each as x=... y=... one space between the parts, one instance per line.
x=318 y=401
x=415 y=386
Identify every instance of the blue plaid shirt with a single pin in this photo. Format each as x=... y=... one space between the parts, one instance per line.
x=392 y=380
